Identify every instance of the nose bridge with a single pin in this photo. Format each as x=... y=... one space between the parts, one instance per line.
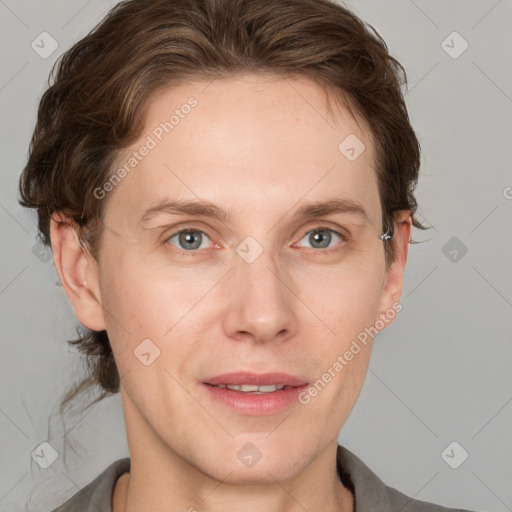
x=261 y=303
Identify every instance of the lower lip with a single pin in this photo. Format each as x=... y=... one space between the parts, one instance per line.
x=256 y=405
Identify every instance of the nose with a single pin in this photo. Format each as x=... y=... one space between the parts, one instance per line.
x=261 y=303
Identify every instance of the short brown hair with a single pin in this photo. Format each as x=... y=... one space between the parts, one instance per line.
x=101 y=87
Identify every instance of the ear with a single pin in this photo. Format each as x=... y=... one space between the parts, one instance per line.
x=78 y=272
x=392 y=287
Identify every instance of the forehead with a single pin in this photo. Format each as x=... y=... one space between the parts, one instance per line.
x=255 y=144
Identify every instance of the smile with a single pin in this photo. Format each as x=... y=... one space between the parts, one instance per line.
x=250 y=388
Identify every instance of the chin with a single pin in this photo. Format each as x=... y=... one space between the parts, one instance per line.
x=259 y=474
x=247 y=464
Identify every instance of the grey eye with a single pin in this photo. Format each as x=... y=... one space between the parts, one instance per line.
x=189 y=239
x=320 y=238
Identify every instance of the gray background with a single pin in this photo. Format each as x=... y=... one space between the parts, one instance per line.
x=440 y=373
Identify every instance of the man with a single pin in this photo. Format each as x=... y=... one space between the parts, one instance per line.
x=227 y=187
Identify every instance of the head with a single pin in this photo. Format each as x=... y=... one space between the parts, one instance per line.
x=255 y=111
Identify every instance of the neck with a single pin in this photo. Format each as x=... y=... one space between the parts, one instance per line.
x=128 y=498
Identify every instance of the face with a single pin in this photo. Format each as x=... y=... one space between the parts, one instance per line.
x=251 y=280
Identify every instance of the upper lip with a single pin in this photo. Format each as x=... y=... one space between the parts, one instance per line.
x=256 y=379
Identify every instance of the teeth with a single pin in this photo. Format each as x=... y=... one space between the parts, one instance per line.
x=247 y=388
x=269 y=388
x=250 y=388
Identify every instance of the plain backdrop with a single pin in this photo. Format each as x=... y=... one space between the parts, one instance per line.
x=439 y=375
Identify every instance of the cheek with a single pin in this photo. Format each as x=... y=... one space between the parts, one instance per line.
x=347 y=306
x=130 y=303
x=162 y=304
x=341 y=354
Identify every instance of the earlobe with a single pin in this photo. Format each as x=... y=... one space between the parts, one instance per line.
x=78 y=272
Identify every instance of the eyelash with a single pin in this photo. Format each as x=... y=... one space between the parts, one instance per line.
x=195 y=252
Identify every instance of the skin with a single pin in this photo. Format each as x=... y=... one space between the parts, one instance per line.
x=260 y=147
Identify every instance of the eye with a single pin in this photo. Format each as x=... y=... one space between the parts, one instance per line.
x=189 y=239
x=321 y=238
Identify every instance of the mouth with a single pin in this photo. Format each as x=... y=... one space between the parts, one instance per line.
x=255 y=394
x=249 y=388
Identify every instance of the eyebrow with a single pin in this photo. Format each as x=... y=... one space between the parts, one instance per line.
x=207 y=209
x=182 y=207
x=332 y=207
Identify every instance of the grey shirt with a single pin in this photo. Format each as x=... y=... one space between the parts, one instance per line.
x=370 y=492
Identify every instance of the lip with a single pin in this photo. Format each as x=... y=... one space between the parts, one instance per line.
x=256 y=379
x=255 y=404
